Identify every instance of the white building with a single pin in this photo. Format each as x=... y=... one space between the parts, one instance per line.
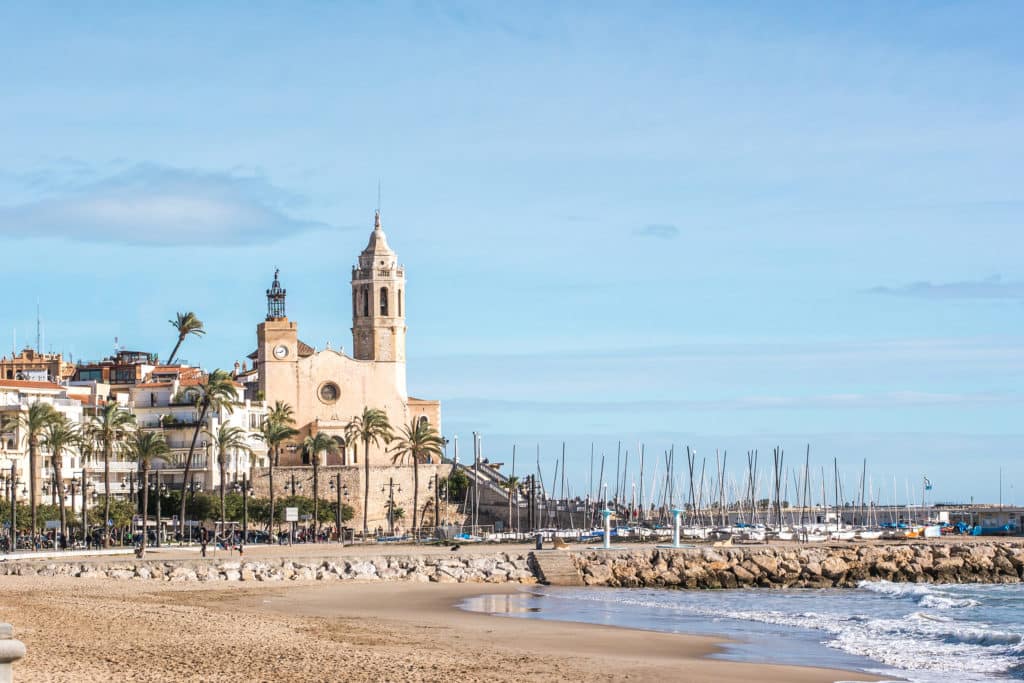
x=167 y=402
x=15 y=398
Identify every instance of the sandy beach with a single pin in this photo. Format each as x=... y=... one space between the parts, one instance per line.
x=101 y=630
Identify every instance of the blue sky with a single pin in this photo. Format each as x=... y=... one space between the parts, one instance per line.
x=731 y=225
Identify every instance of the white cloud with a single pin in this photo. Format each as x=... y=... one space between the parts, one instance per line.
x=662 y=231
x=153 y=205
x=993 y=287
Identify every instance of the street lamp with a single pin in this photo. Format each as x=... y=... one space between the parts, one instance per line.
x=86 y=485
x=159 y=490
x=340 y=491
x=391 y=503
x=13 y=485
x=246 y=491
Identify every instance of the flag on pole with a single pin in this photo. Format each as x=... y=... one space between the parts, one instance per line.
x=927 y=484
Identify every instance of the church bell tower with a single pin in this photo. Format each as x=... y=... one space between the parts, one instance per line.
x=378 y=305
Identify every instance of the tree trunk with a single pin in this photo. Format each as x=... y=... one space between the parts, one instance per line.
x=145 y=508
x=170 y=359
x=32 y=457
x=188 y=467
x=316 y=496
x=222 y=465
x=107 y=454
x=415 y=488
x=270 y=522
x=366 y=487
x=59 y=473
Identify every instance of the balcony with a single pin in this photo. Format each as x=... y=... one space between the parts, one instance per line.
x=370 y=273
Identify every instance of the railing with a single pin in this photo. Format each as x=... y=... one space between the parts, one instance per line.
x=367 y=273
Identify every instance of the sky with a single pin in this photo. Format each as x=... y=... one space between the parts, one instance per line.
x=633 y=225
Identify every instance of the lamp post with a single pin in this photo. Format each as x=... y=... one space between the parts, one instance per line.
x=436 y=485
x=14 y=505
x=340 y=491
x=159 y=490
x=192 y=488
x=245 y=504
x=391 y=503
x=85 y=504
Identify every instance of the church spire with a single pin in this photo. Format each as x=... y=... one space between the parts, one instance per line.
x=275 y=298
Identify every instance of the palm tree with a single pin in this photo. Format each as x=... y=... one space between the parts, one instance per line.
x=109 y=427
x=419 y=442
x=185 y=324
x=281 y=413
x=512 y=486
x=33 y=425
x=143 y=447
x=60 y=435
x=314 y=446
x=227 y=438
x=218 y=394
x=274 y=433
x=370 y=427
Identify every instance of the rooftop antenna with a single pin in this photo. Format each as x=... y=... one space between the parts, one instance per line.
x=39 y=341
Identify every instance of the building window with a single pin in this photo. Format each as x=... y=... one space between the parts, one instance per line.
x=329 y=392
x=384 y=301
x=355 y=304
x=399 y=303
x=366 y=301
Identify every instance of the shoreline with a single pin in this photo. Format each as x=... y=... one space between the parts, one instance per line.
x=362 y=631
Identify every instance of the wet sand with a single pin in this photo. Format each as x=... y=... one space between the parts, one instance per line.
x=103 y=630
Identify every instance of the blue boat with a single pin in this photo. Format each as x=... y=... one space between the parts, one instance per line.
x=1004 y=530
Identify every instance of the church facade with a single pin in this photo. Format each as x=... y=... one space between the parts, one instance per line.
x=326 y=388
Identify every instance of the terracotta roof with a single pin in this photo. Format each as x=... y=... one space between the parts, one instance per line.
x=24 y=384
x=87 y=400
x=305 y=350
x=153 y=385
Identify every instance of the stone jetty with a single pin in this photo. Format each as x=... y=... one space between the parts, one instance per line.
x=828 y=566
x=705 y=567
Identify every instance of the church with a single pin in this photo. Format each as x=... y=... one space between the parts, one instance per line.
x=326 y=388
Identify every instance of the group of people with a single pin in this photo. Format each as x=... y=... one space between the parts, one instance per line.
x=52 y=539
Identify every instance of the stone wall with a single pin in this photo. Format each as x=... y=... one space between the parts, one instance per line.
x=491 y=568
x=352 y=478
x=696 y=568
x=810 y=567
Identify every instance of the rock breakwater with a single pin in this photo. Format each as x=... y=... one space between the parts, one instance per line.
x=804 y=566
x=491 y=568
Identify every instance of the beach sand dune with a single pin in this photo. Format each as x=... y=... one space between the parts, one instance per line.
x=99 y=630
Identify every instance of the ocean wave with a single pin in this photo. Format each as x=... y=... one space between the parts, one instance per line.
x=923 y=594
x=929 y=639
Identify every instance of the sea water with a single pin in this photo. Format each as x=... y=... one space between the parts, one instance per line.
x=918 y=632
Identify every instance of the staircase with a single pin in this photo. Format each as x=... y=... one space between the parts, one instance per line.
x=555 y=568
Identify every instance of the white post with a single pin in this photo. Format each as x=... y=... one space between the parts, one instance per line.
x=607 y=514
x=11 y=650
x=676 y=513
